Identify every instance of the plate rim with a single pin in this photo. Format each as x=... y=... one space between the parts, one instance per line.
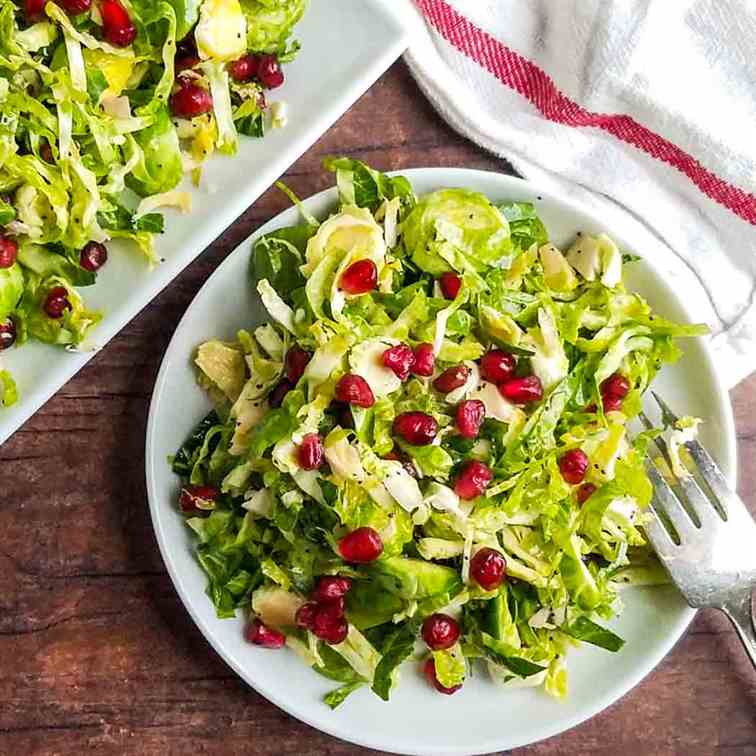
x=618 y=691
x=69 y=363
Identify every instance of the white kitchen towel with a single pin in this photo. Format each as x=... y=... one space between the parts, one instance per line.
x=645 y=110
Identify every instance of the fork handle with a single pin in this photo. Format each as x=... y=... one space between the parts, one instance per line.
x=740 y=611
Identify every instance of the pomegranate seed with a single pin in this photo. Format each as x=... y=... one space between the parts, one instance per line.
x=269 y=72
x=343 y=413
x=262 y=635
x=573 y=465
x=331 y=587
x=440 y=631
x=46 y=153
x=74 y=7
x=522 y=390
x=400 y=359
x=295 y=363
x=362 y=545
x=470 y=416
x=360 y=277
x=328 y=622
x=7 y=334
x=425 y=360
x=497 y=366
x=117 y=26
x=190 y=100
x=93 y=256
x=416 y=428
x=185 y=63
x=191 y=497
x=450 y=284
x=8 y=252
x=616 y=386
x=245 y=68
x=585 y=492
x=612 y=403
x=488 y=568
x=429 y=668
x=452 y=378
x=56 y=302
x=279 y=391
x=34 y=7
x=305 y=616
x=310 y=452
x=354 y=389
x=472 y=480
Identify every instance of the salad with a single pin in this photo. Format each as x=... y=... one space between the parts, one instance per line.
x=104 y=106
x=424 y=453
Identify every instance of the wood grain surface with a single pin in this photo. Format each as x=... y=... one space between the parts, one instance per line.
x=97 y=654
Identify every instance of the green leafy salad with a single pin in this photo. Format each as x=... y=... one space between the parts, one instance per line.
x=104 y=106
x=424 y=454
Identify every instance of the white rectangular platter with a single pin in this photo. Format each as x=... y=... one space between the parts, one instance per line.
x=346 y=46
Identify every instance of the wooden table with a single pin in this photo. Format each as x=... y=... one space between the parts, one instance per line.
x=97 y=653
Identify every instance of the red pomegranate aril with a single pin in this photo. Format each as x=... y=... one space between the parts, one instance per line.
x=429 y=668
x=488 y=568
x=8 y=251
x=245 y=68
x=279 y=391
x=497 y=366
x=190 y=100
x=616 y=386
x=185 y=63
x=522 y=390
x=310 y=453
x=329 y=624
x=191 y=498
x=74 y=7
x=612 y=403
x=354 y=389
x=93 y=256
x=261 y=635
x=330 y=587
x=452 y=378
x=34 y=7
x=296 y=362
x=416 y=428
x=46 y=153
x=269 y=72
x=7 y=334
x=361 y=546
x=424 y=361
x=360 y=277
x=472 y=480
x=573 y=465
x=117 y=26
x=305 y=616
x=56 y=302
x=585 y=492
x=399 y=359
x=343 y=414
x=440 y=631
x=450 y=284
x=470 y=416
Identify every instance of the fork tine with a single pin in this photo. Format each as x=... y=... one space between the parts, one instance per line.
x=707 y=468
x=670 y=504
x=659 y=536
x=691 y=498
x=669 y=417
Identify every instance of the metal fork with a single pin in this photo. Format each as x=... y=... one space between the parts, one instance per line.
x=704 y=535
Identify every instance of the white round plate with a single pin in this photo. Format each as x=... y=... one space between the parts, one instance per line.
x=416 y=720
